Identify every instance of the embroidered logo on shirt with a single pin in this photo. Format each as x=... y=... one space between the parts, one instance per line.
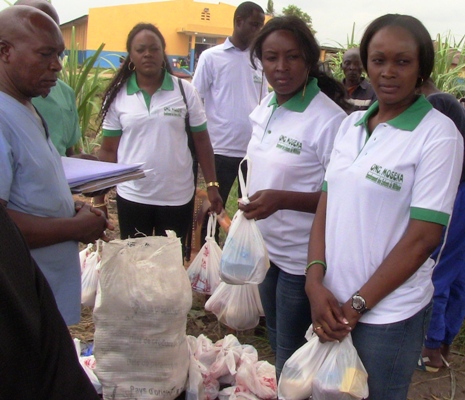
x=290 y=145
x=172 y=112
x=257 y=79
x=385 y=177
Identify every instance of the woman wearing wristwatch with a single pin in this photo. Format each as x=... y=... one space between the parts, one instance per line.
x=143 y=114
x=389 y=189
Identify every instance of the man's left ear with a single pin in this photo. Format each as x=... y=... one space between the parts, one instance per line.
x=4 y=50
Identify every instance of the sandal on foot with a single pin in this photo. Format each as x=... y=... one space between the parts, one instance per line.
x=445 y=362
x=423 y=366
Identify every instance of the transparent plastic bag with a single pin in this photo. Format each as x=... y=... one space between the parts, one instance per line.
x=297 y=376
x=245 y=257
x=204 y=271
x=342 y=376
x=89 y=275
x=235 y=306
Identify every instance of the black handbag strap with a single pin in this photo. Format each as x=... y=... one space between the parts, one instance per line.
x=195 y=169
x=190 y=139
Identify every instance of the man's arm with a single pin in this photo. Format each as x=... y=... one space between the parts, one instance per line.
x=86 y=226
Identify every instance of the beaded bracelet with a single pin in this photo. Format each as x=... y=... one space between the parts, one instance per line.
x=322 y=263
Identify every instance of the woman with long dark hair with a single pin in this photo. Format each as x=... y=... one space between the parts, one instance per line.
x=293 y=132
x=143 y=118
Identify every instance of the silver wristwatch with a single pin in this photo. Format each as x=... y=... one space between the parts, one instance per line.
x=359 y=303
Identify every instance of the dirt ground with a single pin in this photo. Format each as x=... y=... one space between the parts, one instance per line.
x=447 y=384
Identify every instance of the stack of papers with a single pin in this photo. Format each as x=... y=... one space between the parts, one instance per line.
x=88 y=176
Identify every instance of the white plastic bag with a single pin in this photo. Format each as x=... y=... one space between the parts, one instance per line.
x=204 y=271
x=245 y=257
x=259 y=377
x=342 y=376
x=89 y=274
x=195 y=389
x=236 y=306
x=83 y=254
x=297 y=376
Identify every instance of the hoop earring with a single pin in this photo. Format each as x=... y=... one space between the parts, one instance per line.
x=305 y=86
x=131 y=67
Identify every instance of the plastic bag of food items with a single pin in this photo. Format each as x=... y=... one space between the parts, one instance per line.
x=90 y=263
x=237 y=306
x=296 y=380
x=204 y=270
x=342 y=375
x=245 y=257
x=227 y=362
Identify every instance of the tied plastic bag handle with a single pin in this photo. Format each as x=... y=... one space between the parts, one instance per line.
x=211 y=226
x=244 y=185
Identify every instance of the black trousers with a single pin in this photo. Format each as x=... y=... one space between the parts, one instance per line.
x=148 y=219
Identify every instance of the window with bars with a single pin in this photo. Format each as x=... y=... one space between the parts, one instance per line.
x=205 y=14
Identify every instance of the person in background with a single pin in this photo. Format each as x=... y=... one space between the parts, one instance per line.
x=143 y=119
x=388 y=192
x=231 y=89
x=449 y=271
x=58 y=108
x=359 y=89
x=38 y=359
x=33 y=185
x=292 y=137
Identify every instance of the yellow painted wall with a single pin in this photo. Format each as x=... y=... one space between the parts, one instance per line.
x=176 y=19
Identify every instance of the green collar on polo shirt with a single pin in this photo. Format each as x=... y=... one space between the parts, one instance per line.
x=298 y=103
x=133 y=87
x=406 y=121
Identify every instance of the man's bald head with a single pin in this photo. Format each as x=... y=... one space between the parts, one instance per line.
x=20 y=21
x=42 y=5
x=30 y=47
x=353 y=52
x=352 y=67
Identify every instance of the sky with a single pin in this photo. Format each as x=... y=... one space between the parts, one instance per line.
x=332 y=19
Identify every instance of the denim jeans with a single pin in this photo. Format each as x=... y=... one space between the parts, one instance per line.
x=287 y=313
x=390 y=353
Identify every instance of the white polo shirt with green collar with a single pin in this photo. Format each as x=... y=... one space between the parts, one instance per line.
x=289 y=150
x=152 y=131
x=408 y=168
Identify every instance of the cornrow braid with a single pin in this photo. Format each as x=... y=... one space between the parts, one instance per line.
x=113 y=89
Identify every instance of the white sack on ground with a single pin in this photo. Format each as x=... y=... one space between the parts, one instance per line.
x=140 y=319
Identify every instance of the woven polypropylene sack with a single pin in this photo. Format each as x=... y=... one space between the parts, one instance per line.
x=140 y=319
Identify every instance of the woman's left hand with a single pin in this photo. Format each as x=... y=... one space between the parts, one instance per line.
x=350 y=314
x=216 y=203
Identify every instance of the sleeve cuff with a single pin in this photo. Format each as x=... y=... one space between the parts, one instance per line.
x=423 y=214
x=199 y=128
x=324 y=188
x=112 y=133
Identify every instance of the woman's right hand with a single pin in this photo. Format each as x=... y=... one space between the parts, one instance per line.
x=328 y=319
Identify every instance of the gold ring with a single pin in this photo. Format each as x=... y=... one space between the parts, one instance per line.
x=317 y=327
